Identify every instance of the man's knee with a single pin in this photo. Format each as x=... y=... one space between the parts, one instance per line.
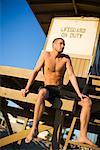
x=43 y=93
x=87 y=102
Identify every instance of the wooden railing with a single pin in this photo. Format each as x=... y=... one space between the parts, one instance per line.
x=58 y=110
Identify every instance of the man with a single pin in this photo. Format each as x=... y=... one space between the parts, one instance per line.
x=54 y=65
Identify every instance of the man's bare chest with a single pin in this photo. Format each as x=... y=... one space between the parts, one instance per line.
x=54 y=65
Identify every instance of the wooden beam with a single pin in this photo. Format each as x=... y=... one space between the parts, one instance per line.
x=70 y=133
x=51 y=7
x=83 y=145
x=63 y=104
x=19 y=72
x=96 y=82
x=58 y=123
x=5 y=115
x=24 y=126
x=29 y=113
x=21 y=135
x=94 y=76
x=15 y=72
x=94 y=97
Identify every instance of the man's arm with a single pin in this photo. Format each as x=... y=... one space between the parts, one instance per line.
x=37 y=68
x=72 y=78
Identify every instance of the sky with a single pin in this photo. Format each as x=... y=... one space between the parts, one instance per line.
x=21 y=36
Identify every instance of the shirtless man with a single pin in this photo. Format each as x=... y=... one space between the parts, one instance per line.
x=54 y=64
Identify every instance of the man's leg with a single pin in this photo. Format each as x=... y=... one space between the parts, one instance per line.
x=84 y=120
x=38 y=111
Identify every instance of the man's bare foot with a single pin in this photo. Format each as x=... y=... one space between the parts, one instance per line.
x=86 y=141
x=31 y=135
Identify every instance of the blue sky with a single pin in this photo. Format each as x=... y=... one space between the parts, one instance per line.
x=21 y=36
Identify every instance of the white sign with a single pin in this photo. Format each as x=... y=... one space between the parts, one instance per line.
x=79 y=34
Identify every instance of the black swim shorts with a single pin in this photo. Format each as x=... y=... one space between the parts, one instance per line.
x=60 y=92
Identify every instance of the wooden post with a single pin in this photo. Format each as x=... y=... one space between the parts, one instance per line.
x=59 y=118
x=5 y=115
x=70 y=133
x=24 y=126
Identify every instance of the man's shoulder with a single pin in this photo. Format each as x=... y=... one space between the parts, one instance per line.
x=46 y=53
x=65 y=56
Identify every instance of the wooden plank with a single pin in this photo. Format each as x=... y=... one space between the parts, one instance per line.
x=16 y=95
x=15 y=72
x=94 y=76
x=19 y=72
x=31 y=98
x=13 y=138
x=70 y=133
x=21 y=135
x=77 y=66
x=29 y=114
x=5 y=115
x=66 y=78
x=83 y=64
x=86 y=68
x=97 y=121
x=95 y=82
x=81 y=68
x=58 y=122
x=64 y=104
x=94 y=97
x=83 y=145
x=24 y=126
x=76 y=56
x=74 y=60
x=19 y=111
x=97 y=89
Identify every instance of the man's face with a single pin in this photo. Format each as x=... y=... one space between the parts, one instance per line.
x=58 y=45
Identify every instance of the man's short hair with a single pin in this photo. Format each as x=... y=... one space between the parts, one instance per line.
x=58 y=39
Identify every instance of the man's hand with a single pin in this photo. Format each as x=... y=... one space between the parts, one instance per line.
x=82 y=96
x=24 y=92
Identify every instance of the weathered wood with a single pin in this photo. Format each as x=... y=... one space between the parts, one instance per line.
x=29 y=113
x=93 y=82
x=19 y=72
x=94 y=77
x=69 y=133
x=58 y=123
x=94 y=97
x=5 y=115
x=24 y=126
x=31 y=98
x=83 y=145
x=7 y=122
x=62 y=104
x=21 y=135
